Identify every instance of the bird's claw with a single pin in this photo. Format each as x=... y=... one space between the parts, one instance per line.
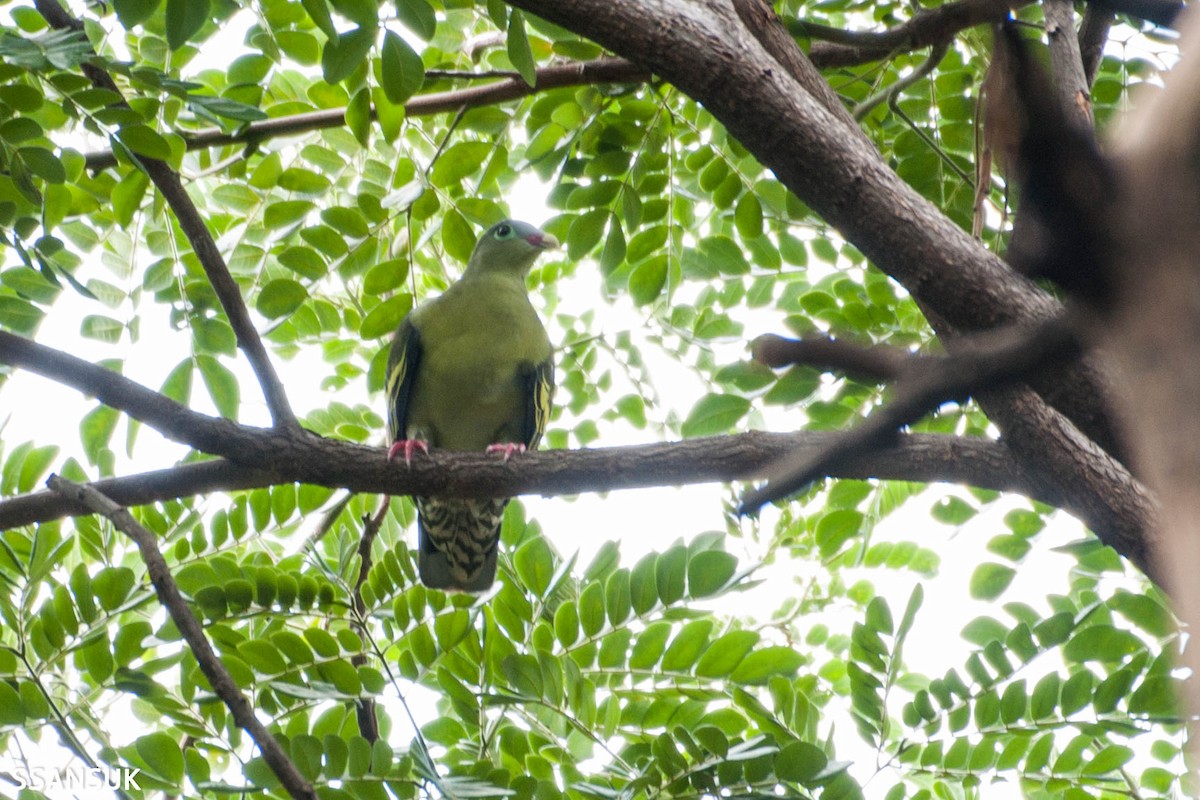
x=408 y=447
x=507 y=448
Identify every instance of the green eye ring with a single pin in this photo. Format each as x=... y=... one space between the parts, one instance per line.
x=504 y=232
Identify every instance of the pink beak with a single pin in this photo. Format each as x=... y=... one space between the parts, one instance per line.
x=543 y=240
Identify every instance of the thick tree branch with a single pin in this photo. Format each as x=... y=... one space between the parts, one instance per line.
x=1123 y=515
x=189 y=627
x=510 y=87
x=923 y=458
x=194 y=227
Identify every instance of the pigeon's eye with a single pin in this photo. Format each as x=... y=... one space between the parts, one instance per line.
x=503 y=231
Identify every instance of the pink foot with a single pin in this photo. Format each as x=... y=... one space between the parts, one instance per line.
x=408 y=447
x=508 y=448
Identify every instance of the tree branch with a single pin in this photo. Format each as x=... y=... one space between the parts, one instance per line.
x=194 y=227
x=1066 y=60
x=835 y=47
x=173 y=420
x=1093 y=35
x=189 y=627
x=512 y=87
x=877 y=363
x=1007 y=357
x=927 y=28
x=923 y=458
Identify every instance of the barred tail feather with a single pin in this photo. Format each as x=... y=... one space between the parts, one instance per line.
x=458 y=542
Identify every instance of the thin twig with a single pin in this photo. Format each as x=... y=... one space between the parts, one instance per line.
x=189 y=627
x=557 y=76
x=955 y=377
x=203 y=245
x=876 y=363
x=890 y=93
x=364 y=707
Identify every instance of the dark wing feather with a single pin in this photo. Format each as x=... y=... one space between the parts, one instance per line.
x=403 y=362
x=539 y=394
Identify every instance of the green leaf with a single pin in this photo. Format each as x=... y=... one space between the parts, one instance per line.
x=346 y=52
x=687 y=646
x=748 y=216
x=222 y=385
x=759 y=666
x=709 y=571
x=127 y=196
x=161 y=752
x=101 y=328
x=519 y=52
x=585 y=231
x=648 y=280
x=459 y=161
x=418 y=16
x=714 y=414
x=280 y=297
x=43 y=163
x=18 y=315
x=34 y=465
x=224 y=107
x=386 y=317
x=534 y=562
x=1110 y=759
x=726 y=653
x=112 y=585
x=304 y=261
x=403 y=72
x=835 y=528
x=457 y=236
x=800 y=762
x=144 y=140
x=642 y=586
x=134 y=12
x=1102 y=643
x=989 y=580
x=953 y=510
x=318 y=12
x=185 y=18
x=96 y=430
x=591 y=609
x=670 y=572
x=649 y=647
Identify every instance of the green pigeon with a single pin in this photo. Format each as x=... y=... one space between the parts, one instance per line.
x=472 y=369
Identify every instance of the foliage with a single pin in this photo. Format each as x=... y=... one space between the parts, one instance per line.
x=613 y=679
